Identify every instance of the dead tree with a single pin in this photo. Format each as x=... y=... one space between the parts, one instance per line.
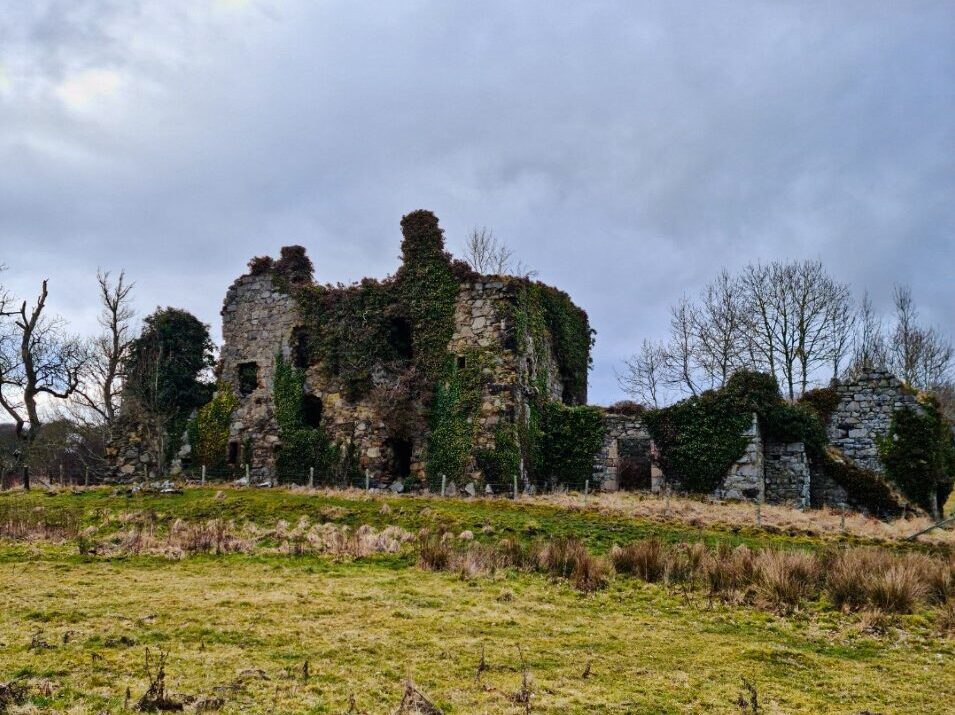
x=644 y=373
x=38 y=359
x=98 y=395
x=487 y=255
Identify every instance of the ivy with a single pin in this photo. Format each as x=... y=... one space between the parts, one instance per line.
x=549 y=317
x=571 y=438
x=448 y=450
x=919 y=455
x=209 y=429
x=700 y=438
x=502 y=463
x=403 y=326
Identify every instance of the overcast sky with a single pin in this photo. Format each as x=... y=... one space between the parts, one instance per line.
x=626 y=150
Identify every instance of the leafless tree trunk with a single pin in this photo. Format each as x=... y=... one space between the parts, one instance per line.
x=644 y=374
x=921 y=356
x=489 y=256
x=99 y=391
x=38 y=359
x=869 y=341
x=718 y=324
x=681 y=354
x=761 y=320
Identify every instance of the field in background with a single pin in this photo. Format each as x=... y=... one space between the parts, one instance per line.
x=240 y=628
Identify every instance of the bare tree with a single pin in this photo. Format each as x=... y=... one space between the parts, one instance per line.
x=905 y=338
x=489 y=256
x=761 y=319
x=645 y=373
x=816 y=299
x=99 y=392
x=920 y=356
x=681 y=352
x=38 y=359
x=869 y=348
x=718 y=326
x=841 y=319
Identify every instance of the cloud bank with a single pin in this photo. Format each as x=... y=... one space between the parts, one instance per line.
x=627 y=151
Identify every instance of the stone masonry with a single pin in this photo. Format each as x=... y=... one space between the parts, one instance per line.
x=626 y=445
x=259 y=321
x=864 y=414
x=779 y=472
x=745 y=479
x=786 y=473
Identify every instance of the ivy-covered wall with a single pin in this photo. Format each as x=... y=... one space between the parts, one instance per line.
x=433 y=371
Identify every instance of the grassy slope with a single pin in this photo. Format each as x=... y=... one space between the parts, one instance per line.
x=520 y=520
x=366 y=626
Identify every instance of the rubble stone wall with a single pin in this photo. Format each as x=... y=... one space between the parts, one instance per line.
x=257 y=323
x=786 y=473
x=745 y=478
x=864 y=414
x=623 y=435
x=259 y=320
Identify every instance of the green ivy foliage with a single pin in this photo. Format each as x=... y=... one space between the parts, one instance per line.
x=502 y=463
x=209 y=429
x=919 y=455
x=571 y=437
x=354 y=330
x=448 y=451
x=300 y=444
x=164 y=367
x=305 y=447
x=427 y=290
x=549 y=317
x=700 y=438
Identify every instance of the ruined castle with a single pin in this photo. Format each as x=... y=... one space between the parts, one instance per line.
x=380 y=409
x=437 y=375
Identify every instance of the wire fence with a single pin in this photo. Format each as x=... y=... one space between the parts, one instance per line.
x=76 y=475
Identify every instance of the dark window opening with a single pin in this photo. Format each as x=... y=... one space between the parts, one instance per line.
x=400 y=338
x=233 y=453
x=401 y=450
x=510 y=340
x=248 y=377
x=462 y=362
x=300 y=348
x=312 y=409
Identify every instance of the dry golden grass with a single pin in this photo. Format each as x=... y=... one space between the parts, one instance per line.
x=700 y=512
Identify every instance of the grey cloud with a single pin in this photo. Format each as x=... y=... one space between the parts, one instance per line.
x=626 y=150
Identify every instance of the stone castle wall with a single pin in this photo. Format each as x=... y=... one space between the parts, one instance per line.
x=745 y=479
x=259 y=321
x=625 y=438
x=864 y=414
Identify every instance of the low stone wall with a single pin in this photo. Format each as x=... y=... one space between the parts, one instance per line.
x=786 y=473
x=625 y=437
x=825 y=491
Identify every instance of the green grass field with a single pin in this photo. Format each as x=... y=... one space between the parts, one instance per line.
x=239 y=628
